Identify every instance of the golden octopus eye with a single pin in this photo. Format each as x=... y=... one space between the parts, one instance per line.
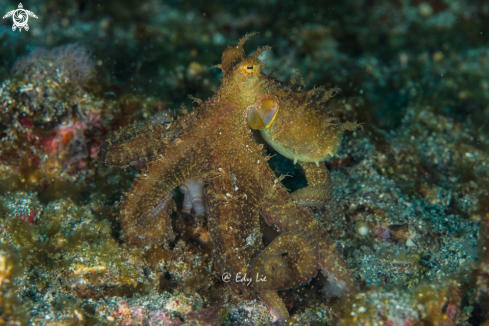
x=248 y=69
x=262 y=114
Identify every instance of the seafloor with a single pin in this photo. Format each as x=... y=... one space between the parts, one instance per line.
x=410 y=209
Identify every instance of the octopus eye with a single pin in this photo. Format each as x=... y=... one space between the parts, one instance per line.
x=262 y=114
x=248 y=69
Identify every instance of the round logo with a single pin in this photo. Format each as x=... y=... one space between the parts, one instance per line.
x=20 y=18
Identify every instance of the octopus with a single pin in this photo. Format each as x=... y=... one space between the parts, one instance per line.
x=216 y=155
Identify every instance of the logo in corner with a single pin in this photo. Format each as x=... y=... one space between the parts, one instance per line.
x=20 y=17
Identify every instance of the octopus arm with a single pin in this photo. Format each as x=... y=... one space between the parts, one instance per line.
x=292 y=259
x=141 y=140
x=144 y=211
x=236 y=236
x=319 y=187
x=234 y=227
x=276 y=306
x=282 y=212
x=193 y=189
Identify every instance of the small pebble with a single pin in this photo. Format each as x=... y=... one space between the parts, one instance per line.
x=361 y=228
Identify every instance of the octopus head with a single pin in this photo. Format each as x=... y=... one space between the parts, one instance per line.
x=236 y=64
x=249 y=67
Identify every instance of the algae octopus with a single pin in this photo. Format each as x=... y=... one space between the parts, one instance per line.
x=213 y=156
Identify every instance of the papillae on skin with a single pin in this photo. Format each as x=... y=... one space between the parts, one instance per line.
x=214 y=146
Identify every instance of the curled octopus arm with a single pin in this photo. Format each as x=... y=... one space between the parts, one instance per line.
x=283 y=213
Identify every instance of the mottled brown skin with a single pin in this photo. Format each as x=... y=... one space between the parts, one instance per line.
x=304 y=130
x=215 y=143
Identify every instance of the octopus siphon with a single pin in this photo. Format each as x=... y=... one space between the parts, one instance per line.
x=213 y=155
